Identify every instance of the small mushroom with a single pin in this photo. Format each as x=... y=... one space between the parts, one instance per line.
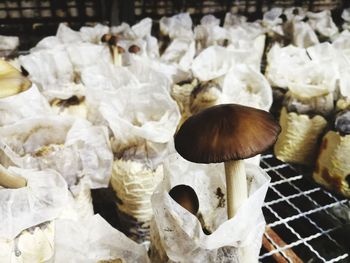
x=115 y=50
x=8 y=180
x=105 y=38
x=227 y=133
x=12 y=80
x=185 y=196
x=134 y=49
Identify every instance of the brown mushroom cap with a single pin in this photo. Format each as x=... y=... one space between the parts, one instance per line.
x=226 y=132
x=185 y=196
x=134 y=49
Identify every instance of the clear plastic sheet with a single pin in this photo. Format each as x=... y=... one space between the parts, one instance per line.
x=92 y=240
x=181 y=232
x=75 y=148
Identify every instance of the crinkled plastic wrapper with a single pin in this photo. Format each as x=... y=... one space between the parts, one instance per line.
x=177 y=26
x=209 y=32
x=298 y=141
x=134 y=183
x=303 y=35
x=143 y=120
x=74 y=148
x=244 y=85
x=180 y=232
x=41 y=200
x=181 y=52
x=29 y=103
x=332 y=167
x=93 y=240
x=280 y=61
x=50 y=69
x=35 y=244
x=322 y=22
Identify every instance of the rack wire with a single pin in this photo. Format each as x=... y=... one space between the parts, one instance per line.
x=34 y=19
x=311 y=224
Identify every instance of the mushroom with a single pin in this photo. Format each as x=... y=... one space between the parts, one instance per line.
x=227 y=133
x=134 y=49
x=112 y=41
x=185 y=196
x=8 y=180
x=12 y=80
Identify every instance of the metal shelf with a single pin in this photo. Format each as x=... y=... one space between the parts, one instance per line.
x=305 y=222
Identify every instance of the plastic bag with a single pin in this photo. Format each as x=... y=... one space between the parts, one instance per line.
x=181 y=232
x=93 y=240
x=279 y=62
x=141 y=118
x=35 y=244
x=29 y=103
x=244 y=85
x=181 y=52
x=74 y=148
x=211 y=63
x=177 y=26
x=41 y=200
x=50 y=69
x=209 y=32
x=322 y=23
x=303 y=35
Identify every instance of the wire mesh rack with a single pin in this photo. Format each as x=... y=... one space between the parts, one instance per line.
x=305 y=222
x=34 y=19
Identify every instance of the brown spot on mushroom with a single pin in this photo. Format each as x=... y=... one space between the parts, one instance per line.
x=334 y=182
x=324 y=144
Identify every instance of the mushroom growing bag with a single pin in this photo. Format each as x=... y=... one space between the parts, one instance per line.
x=74 y=148
x=41 y=200
x=93 y=240
x=179 y=233
x=29 y=103
x=332 y=168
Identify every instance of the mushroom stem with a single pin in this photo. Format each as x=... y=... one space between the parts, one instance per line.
x=236 y=185
x=11 y=181
x=116 y=56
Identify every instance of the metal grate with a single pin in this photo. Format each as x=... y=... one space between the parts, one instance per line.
x=34 y=19
x=305 y=223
